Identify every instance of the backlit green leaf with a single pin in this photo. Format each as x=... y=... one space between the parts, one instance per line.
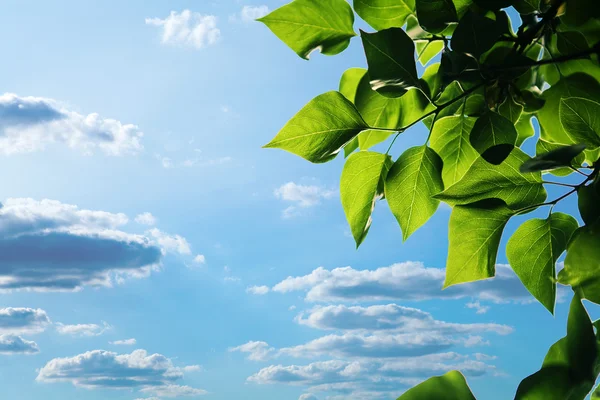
x=491 y=130
x=533 y=250
x=391 y=59
x=511 y=109
x=451 y=386
x=305 y=25
x=450 y=140
x=505 y=182
x=474 y=237
x=583 y=263
x=320 y=130
x=580 y=118
x=410 y=186
x=349 y=82
x=358 y=190
x=524 y=128
x=475 y=34
x=383 y=14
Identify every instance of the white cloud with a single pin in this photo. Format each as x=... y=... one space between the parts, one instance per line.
x=124 y=342
x=192 y=368
x=19 y=321
x=478 y=307
x=98 y=369
x=389 y=317
x=307 y=396
x=48 y=245
x=250 y=13
x=303 y=196
x=30 y=123
x=200 y=259
x=174 y=391
x=403 y=281
x=12 y=344
x=145 y=219
x=189 y=29
x=174 y=243
x=257 y=351
x=83 y=329
x=258 y=290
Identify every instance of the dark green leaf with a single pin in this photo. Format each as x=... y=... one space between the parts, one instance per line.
x=474 y=237
x=493 y=4
x=391 y=59
x=383 y=14
x=533 y=250
x=451 y=386
x=580 y=11
x=427 y=46
x=583 y=263
x=435 y=15
x=589 y=202
x=511 y=109
x=560 y=156
x=491 y=130
x=527 y=6
x=505 y=182
x=410 y=186
x=569 y=43
x=450 y=139
x=475 y=34
x=320 y=130
x=305 y=25
x=580 y=118
x=358 y=190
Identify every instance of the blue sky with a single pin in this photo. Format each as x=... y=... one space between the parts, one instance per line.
x=151 y=249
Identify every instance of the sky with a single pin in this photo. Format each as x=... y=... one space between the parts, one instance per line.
x=150 y=249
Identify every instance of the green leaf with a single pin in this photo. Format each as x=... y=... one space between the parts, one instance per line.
x=474 y=237
x=491 y=130
x=351 y=147
x=511 y=109
x=451 y=386
x=568 y=369
x=427 y=47
x=410 y=186
x=580 y=118
x=589 y=202
x=572 y=42
x=580 y=11
x=450 y=140
x=386 y=112
x=596 y=394
x=559 y=156
x=391 y=59
x=577 y=85
x=320 y=130
x=583 y=263
x=435 y=15
x=383 y=14
x=475 y=34
x=358 y=190
x=349 y=82
x=525 y=128
x=533 y=250
x=505 y=182
x=305 y=25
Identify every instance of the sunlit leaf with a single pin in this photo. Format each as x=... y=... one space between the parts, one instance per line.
x=383 y=14
x=556 y=156
x=474 y=237
x=533 y=250
x=505 y=182
x=320 y=130
x=491 y=130
x=358 y=190
x=580 y=118
x=450 y=140
x=306 y=25
x=410 y=186
x=451 y=386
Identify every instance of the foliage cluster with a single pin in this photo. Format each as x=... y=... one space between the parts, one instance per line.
x=478 y=99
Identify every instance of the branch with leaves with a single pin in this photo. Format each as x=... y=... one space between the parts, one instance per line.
x=482 y=86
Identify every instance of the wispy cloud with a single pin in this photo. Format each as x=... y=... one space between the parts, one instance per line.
x=145 y=219
x=83 y=329
x=258 y=290
x=124 y=342
x=187 y=29
x=250 y=13
x=302 y=196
